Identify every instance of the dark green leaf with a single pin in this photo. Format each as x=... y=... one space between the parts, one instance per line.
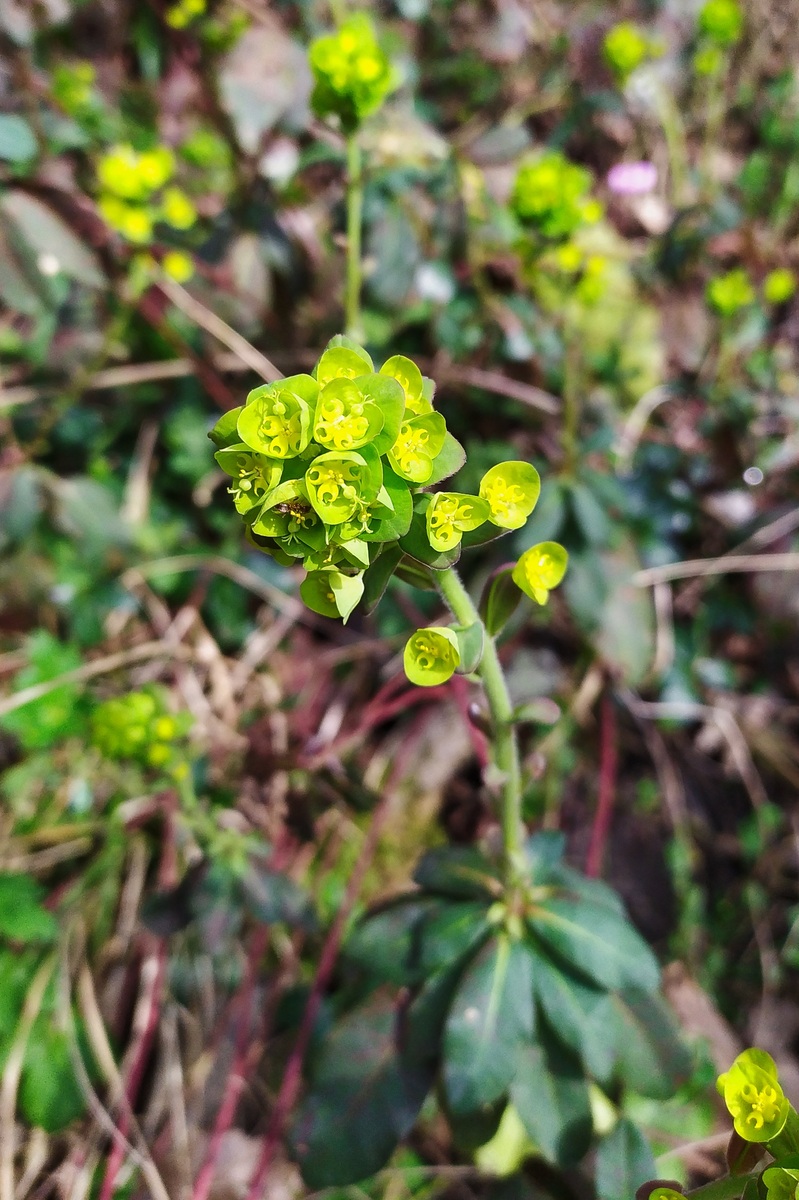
x=448 y=933
x=491 y=1019
x=624 y=1160
x=394 y=525
x=460 y=872
x=544 y=851
x=550 y=1095
x=577 y=1013
x=385 y=942
x=364 y=1098
x=651 y=1058
x=376 y=577
x=596 y=942
x=499 y=601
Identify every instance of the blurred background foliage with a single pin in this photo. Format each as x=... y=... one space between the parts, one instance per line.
x=581 y=220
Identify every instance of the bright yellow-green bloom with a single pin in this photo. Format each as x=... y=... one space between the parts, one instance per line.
x=133 y=222
x=183 y=13
x=729 y=293
x=431 y=656
x=753 y=1096
x=126 y=173
x=625 y=47
x=178 y=266
x=540 y=569
x=72 y=86
x=450 y=515
x=352 y=74
x=277 y=417
x=722 y=21
x=345 y=417
x=177 y=209
x=552 y=195
x=512 y=490
x=419 y=440
x=779 y=285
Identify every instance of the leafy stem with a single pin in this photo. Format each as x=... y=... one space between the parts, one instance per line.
x=504 y=741
x=354 y=218
x=729 y=1187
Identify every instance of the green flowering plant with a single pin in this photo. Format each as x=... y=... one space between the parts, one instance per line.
x=335 y=472
x=552 y=196
x=352 y=75
x=140 y=727
x=754 y=1097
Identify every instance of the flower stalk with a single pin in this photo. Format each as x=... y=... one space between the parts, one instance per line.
x=354 y=220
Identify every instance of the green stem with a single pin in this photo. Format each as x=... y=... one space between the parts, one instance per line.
x=571 y=396
x=354 y=218
x=504 y=742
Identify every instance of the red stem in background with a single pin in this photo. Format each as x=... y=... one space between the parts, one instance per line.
x=148 y=1026
x=608 y=767
x=236 y=1078
x=292 y=1078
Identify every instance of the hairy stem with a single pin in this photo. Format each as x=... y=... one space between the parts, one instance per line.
x=504 y=744
x=354 y=218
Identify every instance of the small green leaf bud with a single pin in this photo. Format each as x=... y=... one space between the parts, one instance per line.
x=431 y=656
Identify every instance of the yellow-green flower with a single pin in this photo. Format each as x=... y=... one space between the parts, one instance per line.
x=450 y=515
x=722 y=21
x=276 y=419
x=345 y=418
x=540 y=569
x=625 y=47
x=178 y=266
x=779 y=285
x=253 y=475
x=177 y=209
x=184 y=12
x=126 y=173
x=431 y=656
x=551 y=195
x=352 y=74
x=139 y=727
x=419 y=440
x=708 y=60
x=729 y=293
x=512 y=490
x=338 y=483
x=753 y=1096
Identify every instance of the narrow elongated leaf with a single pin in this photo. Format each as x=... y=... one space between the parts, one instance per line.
x=551 y=1097
x=364 y=1098
x=449 y=932
x=385 y=943
x=651 y=1058
x=460 y=872
x=492 y=1018
x=624 y=1160
x=596 y=942
x=576 y=1013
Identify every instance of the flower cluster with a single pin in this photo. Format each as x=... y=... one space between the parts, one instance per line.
x=721 y=22
x=729 y=293
x=552 y=196
x=352 y=75
x=329 y=470
x=140 y=727
x=181 y=15
x=136 y=191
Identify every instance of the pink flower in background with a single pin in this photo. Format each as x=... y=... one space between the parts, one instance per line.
x=632 y=178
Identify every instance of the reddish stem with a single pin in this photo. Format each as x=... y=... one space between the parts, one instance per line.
x=141 y=1057
x=236 y=1078
x=292 y=1078
x=608 y=765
